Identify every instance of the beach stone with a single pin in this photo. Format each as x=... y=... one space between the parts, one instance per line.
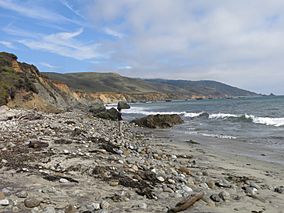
x=96 y=206
x=22 y=194
x=4 y=161
x=161 y=179
x=49 y=209
x=184 y=170
x=63 y=180
x=224 y=195
x=142 y=205
x=250 y=191
x=279 y=189
x=32 y=202
x=114 y=183
x=2 y=196
x=211 y=184
x=187 y=189
x=216 y=198
x=158 y=121
x=38 y=144
x=223 y=183
x=171 y=181
x=70 y=209
x=104 y=204
x=254 y=185
x=4 y=202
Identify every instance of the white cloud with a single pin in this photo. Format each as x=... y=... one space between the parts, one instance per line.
x=186 y=39
x=7 y=44
x=31 y=10
x=113 y=33
x=45 y=64
x=64 y=44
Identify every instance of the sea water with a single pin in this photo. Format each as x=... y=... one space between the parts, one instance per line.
x=258 y=121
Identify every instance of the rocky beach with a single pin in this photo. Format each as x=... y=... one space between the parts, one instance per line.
x=73 y=162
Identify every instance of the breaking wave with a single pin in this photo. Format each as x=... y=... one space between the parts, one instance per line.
x=277 y=122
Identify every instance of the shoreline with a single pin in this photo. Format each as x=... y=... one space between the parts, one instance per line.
x=74 y=161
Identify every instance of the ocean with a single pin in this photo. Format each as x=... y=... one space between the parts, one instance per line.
x=254 y=121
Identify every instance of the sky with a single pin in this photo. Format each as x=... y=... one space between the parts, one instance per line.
x=240 y=43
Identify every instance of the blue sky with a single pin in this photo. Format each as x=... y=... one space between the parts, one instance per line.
x=237 y=42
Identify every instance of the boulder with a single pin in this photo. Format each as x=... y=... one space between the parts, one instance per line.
x=159 y=121
x=123 y=105
x=97 y=108
x=109 y=114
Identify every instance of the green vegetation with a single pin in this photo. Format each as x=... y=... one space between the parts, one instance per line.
x=11 y=81
x=111 y=82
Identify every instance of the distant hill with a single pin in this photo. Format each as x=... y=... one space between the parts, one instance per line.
x=112 y=82
x=23 y=85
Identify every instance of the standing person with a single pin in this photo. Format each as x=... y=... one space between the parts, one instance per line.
x=119 y=118
x=121 y=105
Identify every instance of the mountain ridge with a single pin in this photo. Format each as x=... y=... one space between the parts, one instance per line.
x=113 y=82
x=23 y=85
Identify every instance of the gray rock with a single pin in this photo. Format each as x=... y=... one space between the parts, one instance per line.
x=158 y=121
x=22 y=194
x=216 y=198
x=49 y=209
x=4 y=202
x=279 y=189
x=250 y=191
x=224 y=195
x=254 y=185
x=104 y=204
x=32 y=202
x=123 y=105
x=223 y=183
x=97 y=108
x=142 y=205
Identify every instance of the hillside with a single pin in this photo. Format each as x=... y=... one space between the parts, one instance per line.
x=112 y=82
x=23 y=85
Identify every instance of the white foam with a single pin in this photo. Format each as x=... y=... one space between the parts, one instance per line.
x=192 y=114
x=223 y=115
x=219 y=136
x=269 y=121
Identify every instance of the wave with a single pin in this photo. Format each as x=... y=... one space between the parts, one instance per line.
x=250 y=118
x=277 y=122
x=213 y=135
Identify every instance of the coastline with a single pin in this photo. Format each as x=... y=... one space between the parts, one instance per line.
x=74 y=161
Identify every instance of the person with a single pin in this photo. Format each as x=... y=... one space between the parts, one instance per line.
x=119 y=118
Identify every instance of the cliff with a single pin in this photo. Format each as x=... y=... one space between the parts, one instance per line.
x=22 y=85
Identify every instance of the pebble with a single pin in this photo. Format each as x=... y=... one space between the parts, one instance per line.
x=4 y=161
x=279 y=189
x=49 y=209
x=2 y=196
x=142 y=205
x=63 y=180
x=161 y=179
x=96 y=206
x=70 y=209
x=254 y=185
x=32 y=202
x=4 y=202
x=104 y=204
x=215 y=198
x=171 y=181
x=22 y=194
x=250 y=191
x=114 y=183
x=224 y=195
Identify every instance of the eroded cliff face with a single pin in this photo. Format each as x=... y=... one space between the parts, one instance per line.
x=22 y=85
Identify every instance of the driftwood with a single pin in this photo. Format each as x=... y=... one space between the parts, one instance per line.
x=186 y=203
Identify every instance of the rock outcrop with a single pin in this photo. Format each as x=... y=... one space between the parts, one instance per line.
x=159 y=121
